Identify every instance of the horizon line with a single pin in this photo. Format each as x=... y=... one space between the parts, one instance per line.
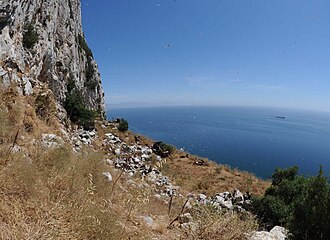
x=109 y=107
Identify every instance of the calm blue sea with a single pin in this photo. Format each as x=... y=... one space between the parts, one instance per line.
x=251 y=139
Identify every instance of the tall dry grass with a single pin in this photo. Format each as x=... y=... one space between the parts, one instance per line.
x=220 y=226
x=56 y=194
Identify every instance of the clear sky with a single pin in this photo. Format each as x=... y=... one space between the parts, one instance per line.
x=211 y=52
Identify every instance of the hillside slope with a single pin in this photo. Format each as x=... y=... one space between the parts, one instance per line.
x=59 y=181
x=104 y=184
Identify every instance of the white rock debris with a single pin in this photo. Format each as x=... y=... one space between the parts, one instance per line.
x=51 y=141
x=277 y=233
x=108 y=176
x=82 y=137
x=135 y=158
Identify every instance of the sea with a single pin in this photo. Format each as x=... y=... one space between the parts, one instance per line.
x=252 y=139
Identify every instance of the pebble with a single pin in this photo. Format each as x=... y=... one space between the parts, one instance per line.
x=108 y=176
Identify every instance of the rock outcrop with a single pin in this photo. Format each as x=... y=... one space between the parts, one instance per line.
x=42 y=44
x=277 y=233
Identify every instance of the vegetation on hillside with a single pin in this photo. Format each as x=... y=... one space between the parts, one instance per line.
x=91 y=82
x=45 y=105
x=84 y=46
x=123 y=125
x=57 y=194
x=302 y=204
x=76 y=108
x=53 y=193
x=30 y=36
x=167 y=147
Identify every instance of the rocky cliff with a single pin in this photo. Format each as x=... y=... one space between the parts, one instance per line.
x=42 y=44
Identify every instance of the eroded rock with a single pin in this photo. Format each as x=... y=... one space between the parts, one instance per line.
x=108 y=176
x=51 y=141
x=42 y=43
x=277 y=233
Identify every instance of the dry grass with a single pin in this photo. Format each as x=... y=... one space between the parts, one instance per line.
x=55 y=194
x=211 y=178
x=62 y=196
x=229 y=226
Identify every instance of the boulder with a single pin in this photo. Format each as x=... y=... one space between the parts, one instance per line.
x=226 y=204
x=170 y=191
x=152 y=177
x=223 y=200
x=146 y=150
x=109 y=135
x=109 y=161
x=117 y=151
x=277 y=233
x=247 y=205
x=262 y=235
x=202 y=199
x=108 y=176
x=145 y=157
x=158 y=150
x=16 y=149
x=225 y=195
x=136 y=160
x=163 y=181
x=51 y=141
x=238 y=197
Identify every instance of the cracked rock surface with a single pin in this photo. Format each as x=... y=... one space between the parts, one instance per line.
x=42 y=43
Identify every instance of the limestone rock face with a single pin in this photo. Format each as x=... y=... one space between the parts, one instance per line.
x=277 y=233
x=42 y=43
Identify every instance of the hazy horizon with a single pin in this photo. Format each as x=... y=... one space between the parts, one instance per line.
x=194 y=52
x=128 y=106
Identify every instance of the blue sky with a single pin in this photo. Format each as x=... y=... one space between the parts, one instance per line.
x=211 y=52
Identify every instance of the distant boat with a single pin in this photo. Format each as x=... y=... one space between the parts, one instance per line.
x=280 y=117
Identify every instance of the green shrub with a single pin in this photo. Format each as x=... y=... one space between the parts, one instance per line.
x=123 y=125
x=167 y=147
x=83 y=45
x=91 y=82
x=284 y=174
x=299 y=203
x=311 y=214
x=76 y=108
x=71 y=85
x=30 y=36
